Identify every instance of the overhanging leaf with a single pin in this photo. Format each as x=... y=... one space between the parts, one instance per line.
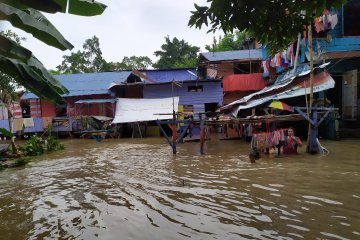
x=82 y=7
x=6 y=133
x=78 y=7
x=35 y=23
x=49 y=6
x=35 y=78
x=9 y=48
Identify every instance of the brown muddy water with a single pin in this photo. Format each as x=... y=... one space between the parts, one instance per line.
x=136 y=189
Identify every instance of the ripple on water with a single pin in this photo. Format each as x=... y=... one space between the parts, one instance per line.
x=323 y=200
x=141 y=191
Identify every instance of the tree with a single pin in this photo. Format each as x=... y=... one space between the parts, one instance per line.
x=230 y=41
x=90 y=60
x=86 y=61
x=133 y=62
x=276 y=23
x=19 y=62
x=176 y=53
x=8 y=88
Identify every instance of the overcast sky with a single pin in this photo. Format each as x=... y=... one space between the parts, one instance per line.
x=126 y=28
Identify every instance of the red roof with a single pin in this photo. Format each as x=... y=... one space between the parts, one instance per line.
x=244 y=82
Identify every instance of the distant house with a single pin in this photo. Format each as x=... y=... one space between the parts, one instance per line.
x=195 y=95
x=240 y=71
x=88 y=96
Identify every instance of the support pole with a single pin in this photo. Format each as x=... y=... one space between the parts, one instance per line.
x=174 y=134
x=139 y=129
x=313 y=148
x=309 y=147
x=202 y=133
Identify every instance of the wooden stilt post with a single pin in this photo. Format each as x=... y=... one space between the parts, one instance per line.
x=310 y=131
x=174 y=134
x=139 y=129
x=202 y=133
x=313 y=148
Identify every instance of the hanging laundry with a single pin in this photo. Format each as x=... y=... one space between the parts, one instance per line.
x=18 y=124
x=265 y=66
x=325 y=22
x=28 y=122
x=334 y=20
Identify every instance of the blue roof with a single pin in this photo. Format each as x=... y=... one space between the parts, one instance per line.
x=169 y=75
x=252 y=54
x=87 y=83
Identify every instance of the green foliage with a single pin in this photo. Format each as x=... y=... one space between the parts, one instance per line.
x=176 y=53
x=17 y=61
x=230 y=41
x=2 y=167
x=6 y=133
x=37 y=145
x=275 y=23
x=7 y=83
x=91 y=60
x=54 y=72
x=129 y=63
x=21 y=161
x=86 y=61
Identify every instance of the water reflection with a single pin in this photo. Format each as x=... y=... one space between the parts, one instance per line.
x=137 y=189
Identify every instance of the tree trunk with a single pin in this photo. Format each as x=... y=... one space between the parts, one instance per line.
x=13 y=144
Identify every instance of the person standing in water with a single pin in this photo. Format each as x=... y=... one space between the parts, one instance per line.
x=291 y=142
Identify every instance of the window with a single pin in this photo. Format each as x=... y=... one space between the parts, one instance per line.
x=247 y=67
x=60 y=110
x=195 y=88
x=25 y=108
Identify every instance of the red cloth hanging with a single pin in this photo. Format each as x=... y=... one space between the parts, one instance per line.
x=244 y=82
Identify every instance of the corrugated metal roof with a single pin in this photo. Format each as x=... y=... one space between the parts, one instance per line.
x=87 y=83
x=169 y=75
x=252 y=54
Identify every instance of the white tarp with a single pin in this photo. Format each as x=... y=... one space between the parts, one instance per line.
x=141 y=109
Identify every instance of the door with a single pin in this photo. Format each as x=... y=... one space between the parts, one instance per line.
x=349 y=106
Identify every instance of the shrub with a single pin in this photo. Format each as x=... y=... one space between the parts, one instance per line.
x=37 y=145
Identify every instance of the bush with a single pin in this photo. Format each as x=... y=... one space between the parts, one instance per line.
x=21 y=161
x=37 y=145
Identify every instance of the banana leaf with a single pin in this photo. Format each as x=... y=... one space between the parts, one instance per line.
x=77 y=7
x=85 y=7
x=35 y=23
x=9 y=48
x=49 y=6
x=34 y=77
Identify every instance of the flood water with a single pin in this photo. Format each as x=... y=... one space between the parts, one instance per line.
x=136 y=189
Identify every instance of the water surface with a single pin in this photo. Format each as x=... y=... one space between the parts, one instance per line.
x=137 y=189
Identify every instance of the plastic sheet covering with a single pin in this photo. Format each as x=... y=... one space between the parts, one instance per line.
x=140 y=110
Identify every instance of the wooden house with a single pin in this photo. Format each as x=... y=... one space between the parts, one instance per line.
x=337 y=42
x=240 y=71
x=195 y=96
x=88 y=96
x=341 y=47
